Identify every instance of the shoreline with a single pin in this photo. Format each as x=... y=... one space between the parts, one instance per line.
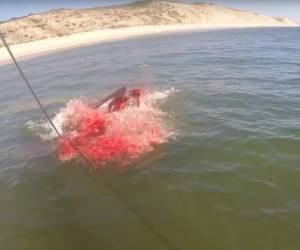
x=37 y=48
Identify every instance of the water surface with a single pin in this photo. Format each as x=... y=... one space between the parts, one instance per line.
x=228 y=180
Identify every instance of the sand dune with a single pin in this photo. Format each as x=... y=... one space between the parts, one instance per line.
x=58 y=29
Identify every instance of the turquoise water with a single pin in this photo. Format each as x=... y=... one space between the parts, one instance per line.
x=229 y=179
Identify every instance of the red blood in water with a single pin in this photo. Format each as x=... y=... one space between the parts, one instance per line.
x=107 y=136
x=119 y=104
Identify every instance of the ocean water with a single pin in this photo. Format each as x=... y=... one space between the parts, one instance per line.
x=228 y=179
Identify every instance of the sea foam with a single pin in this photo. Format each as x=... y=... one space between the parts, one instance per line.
x=109 y=137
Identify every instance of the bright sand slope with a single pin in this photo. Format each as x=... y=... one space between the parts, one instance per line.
x=61 y=29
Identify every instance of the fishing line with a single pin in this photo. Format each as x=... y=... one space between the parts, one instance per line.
x=110 y=186
x=28 y=84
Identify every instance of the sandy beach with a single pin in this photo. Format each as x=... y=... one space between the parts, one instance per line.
x=45 y=46
x=64 y=29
